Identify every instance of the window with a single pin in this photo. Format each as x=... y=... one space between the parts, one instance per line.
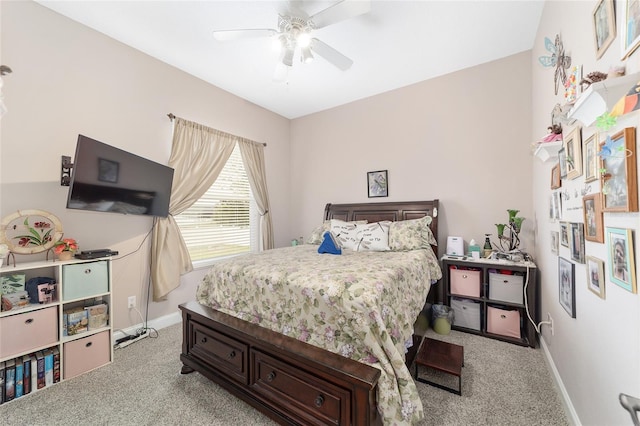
x=224 y=221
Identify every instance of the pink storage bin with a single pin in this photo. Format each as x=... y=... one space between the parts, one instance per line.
x=503 y=322
x=465 y=282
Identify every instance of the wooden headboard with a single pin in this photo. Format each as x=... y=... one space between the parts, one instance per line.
x=376 y=212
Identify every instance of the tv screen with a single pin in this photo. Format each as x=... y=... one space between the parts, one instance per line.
x=107 y=179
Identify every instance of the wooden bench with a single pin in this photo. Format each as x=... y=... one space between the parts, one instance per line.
x=441 y=356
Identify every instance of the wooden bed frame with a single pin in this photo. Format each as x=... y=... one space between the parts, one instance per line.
x=288 y=380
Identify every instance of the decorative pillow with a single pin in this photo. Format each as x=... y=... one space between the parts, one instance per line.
x=329 y=245
x=411 y=234
x=373 y=236
x=317 y=234
x=346 y=233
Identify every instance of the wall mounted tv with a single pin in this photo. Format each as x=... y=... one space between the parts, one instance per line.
x=108 y=179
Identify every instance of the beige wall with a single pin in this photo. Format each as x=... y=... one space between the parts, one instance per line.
x=68 y=79
x=462 y=138
x=597 y=354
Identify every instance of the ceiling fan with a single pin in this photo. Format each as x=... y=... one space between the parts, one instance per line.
x=295 y=29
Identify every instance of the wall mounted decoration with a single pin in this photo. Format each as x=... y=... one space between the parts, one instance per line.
x=566 y=284
x=555 y=177
x=619 y=172
x=555 y=242
x=30 y=231
x=378 y=184
x=571 y=85
x=556 y=59
x=604 y=26
x=573 y=150
x=590 y=155
x=576 y=241
x=595 y=276
x=593 y=221
x=621 y=258
x=564 y=233
x=630 y=28
x=562 y=160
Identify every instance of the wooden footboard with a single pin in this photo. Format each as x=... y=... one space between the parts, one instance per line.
x=290 y=381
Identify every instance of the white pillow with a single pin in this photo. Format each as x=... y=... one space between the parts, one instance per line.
x=346 y=233
x=373 y=236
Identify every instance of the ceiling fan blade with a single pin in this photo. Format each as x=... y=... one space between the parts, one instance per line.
x=331 y=54
x=340 y=11
x=225 y=35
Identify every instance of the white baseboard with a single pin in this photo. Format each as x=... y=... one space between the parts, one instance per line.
x=158 y=324
x=572 y=415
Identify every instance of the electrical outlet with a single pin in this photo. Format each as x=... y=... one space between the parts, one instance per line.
x=132 y=302
x=550 y=322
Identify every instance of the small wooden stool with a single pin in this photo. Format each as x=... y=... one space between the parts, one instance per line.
x=441 y=356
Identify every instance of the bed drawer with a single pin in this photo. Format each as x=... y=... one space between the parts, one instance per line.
x=308 y=396
x=223 y=352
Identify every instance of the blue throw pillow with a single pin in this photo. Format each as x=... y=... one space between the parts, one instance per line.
x=329 y=245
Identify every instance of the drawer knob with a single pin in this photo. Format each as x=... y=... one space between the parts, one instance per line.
x=232 y=355
x=203 y=340
x=506 y=281
x=464 y=276
x=271 y=376
x=319 y=401
x=29 y=321
x=88 y=344
x=87 y=271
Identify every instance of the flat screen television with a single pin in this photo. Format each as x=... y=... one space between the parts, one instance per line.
x=108 y=179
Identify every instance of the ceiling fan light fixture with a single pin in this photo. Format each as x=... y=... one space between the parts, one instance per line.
x=305 y=55
x=287 y=58
x=303 y=39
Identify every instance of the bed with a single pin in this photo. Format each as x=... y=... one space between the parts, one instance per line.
x=311 y=338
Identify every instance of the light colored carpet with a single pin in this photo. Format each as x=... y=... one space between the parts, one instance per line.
x=503 y=384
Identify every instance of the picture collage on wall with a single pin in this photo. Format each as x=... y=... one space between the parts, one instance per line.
x=606 y=163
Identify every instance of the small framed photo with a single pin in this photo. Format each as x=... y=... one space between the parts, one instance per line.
x=378 y=184
x=572 y=145
x=567 y=287
x=555 y=177
x=562 y=160
x=593 y=220
x=555 y=242
x=630 y=28
x=619 y=172
x=577 y=242
x=590 y=159
x=564 y=233
x=604 y=26
x=621 y=260
x=595 y=275
x=108 y=170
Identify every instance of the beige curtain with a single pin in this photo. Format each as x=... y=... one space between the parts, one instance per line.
x=198 y=154
x=253 y=160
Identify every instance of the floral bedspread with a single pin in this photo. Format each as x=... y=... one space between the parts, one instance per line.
x=361 y=305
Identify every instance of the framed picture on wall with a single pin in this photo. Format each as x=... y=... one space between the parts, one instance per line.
x=590 y=158
x=572 y=145
x=604 y=26
x=576 y=241
x=593 y=220
x=566 y=286
x=619 y=172
x=595 y=276
x=555 y=242
x=630 y=27
x=562 y=160
x=555 y=177
x=564 y=233
x=378 y=184
x=621 y=258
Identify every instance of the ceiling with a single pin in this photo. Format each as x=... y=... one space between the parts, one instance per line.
x=396 y=44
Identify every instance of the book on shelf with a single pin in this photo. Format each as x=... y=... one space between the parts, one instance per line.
x=56 y=365
x=1 y=382
x=19 y=378
x=26 y=362
x=97 y=316
x=40 y=364
x=9 y=380
x=48 y=367
x=34 y=373
x=75 y=321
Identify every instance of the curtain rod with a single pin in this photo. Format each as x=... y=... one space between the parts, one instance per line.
x=172 y=116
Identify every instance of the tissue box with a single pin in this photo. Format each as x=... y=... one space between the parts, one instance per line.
x=12 y=283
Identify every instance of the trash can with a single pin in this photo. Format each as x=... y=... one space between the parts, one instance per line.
x=442 y=318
